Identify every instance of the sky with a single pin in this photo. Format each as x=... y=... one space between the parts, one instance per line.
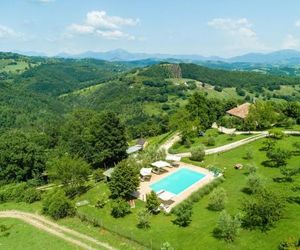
x=205 y=27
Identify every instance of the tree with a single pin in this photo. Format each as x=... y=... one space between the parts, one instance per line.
x=198 y=154
x=288 y=173
x=99 y=138
x=72 y=172
x=297 y=146
x=262 y=210
x=120 y=208
x=143 y=219
x=227 y=226
x=217 y=199
x=22 y=156
x=152 y=202
x=262 y=115
x=124 y=180
x=268 y=144
x=255 y=183
x=252 y=169
x=278 y=156
x=106 y=135
x=57 y=205
x=183 y=214
x=276 y=133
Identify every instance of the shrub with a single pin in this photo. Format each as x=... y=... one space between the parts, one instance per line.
x=98 y=175
x=217 y=199
x=120 y=208
x=211 y=141
x=278 y=156
x=249 y=155
x=197 y=154
x=289 y=244
x=31 y=195
x=263 y=210
x=183 y=214
x=252 y=169
x=227 y=227
x=101 y=202
x=143 y=219
x=255 y=183
x=57 y=205
x=166 y=246
x=152 y=202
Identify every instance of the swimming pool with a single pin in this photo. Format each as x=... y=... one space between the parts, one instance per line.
x=178 y=181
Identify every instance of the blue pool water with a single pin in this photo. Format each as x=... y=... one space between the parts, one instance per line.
x=178 y=181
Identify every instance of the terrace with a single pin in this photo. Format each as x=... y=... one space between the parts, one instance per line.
x=148 y=186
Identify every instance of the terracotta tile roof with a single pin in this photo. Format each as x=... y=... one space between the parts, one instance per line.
x=240 y=111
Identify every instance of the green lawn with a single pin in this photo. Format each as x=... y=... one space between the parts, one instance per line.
x=26 y=237
x=199 y=234
x=220 y=140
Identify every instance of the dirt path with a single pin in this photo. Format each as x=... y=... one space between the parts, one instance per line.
x=62 y=232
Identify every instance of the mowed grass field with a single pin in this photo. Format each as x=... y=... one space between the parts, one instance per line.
x=220 y=140
x=199 y=234
x=21 y=236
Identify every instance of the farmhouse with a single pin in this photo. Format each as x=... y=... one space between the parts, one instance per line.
x=240 y=111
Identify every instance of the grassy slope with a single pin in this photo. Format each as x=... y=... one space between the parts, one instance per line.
x=26 y=237
x=220 y=140
x=199 y=234
x=73 y=223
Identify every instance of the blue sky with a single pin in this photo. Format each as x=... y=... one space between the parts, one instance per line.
x=207 y=27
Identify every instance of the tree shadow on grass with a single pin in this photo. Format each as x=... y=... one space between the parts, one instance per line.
x=246 y=190
x=282 y=179
x=294 y=199
x=269 y=164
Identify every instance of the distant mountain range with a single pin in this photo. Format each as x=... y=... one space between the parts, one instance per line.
x=288 y=57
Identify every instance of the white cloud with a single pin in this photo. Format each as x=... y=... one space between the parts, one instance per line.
x=101 y=24
x=6 y=32
x=291 y=42
x=297 y=23
x=240 y=26
x=43 y=1
x=240 y=37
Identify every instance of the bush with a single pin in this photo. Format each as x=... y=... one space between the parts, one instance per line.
x=255 y=183
x=31 y=195
x=183 y=214
x=57 y=205
x=289 y=244
x=98 y=175
x=120 y=208
x=249 y=155
x=152 y=202
x=101 y=202
x=252 y=169
x=217 y=199
x=197 y=154
x=211 y=141
x=278 y=156
x=19 y=193
x=227 y=227
x=143 y=219
x=263 y=210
